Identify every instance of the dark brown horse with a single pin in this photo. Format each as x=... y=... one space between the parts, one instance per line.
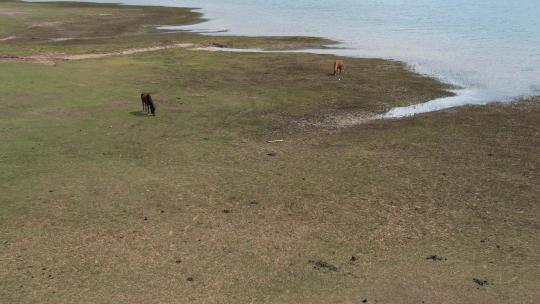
x=147 y=103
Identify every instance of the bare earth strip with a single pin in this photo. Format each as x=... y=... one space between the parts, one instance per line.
x=8 y=38
x=55 y=57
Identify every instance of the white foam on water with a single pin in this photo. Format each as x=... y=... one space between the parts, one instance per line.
x=463 y=97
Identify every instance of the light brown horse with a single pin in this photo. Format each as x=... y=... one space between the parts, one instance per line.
x=338 y=67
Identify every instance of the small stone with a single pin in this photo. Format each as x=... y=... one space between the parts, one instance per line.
x=253 y=202
x=178 y=260
x=190 y=279
x=145 y=218
x=271 y=154
x=161 y=211
x=480 y=282
x=226 y=211
x=354 y=258
x=364 y=301
x=323 y=265
x=435 y=258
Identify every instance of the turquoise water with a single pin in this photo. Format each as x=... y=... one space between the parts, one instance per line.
x=491 y=48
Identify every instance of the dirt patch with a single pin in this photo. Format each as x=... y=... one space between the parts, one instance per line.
x=60 y=39
x=43 y=58
x=45 y=24
x=126 y=52
x=55 y=57
x=8 y=38
x=335 y=121
x=9 y=12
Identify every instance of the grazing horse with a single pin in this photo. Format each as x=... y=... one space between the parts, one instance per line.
x=148 y=104
x=338 y=67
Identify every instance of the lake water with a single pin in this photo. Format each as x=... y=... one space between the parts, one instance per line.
x=491 y=48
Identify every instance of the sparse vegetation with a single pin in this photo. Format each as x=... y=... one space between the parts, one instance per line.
x=103 y=204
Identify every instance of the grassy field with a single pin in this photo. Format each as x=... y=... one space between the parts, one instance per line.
x=101 y=203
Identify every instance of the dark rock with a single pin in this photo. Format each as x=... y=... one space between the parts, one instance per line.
x=354 y=258
x=145 y=218
x=51 y=190
x=271 y=154
x=178 y=260
x=161 y=211
x=435 y=258
x=480 y=281
x=364 y=301
x=323 y=265
x=226 y=211
x=490 y=154
x=190 y=279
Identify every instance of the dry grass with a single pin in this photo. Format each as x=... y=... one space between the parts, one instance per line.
x=103 y=204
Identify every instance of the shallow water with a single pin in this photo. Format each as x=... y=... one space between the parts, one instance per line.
x=491 y=48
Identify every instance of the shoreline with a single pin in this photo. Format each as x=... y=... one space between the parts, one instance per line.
x=462 y=94
x=456 y=100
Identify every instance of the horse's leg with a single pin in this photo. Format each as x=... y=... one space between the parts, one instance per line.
x=143 y=101
x=151 y=105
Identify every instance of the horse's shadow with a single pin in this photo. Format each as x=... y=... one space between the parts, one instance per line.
x=138 y=113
